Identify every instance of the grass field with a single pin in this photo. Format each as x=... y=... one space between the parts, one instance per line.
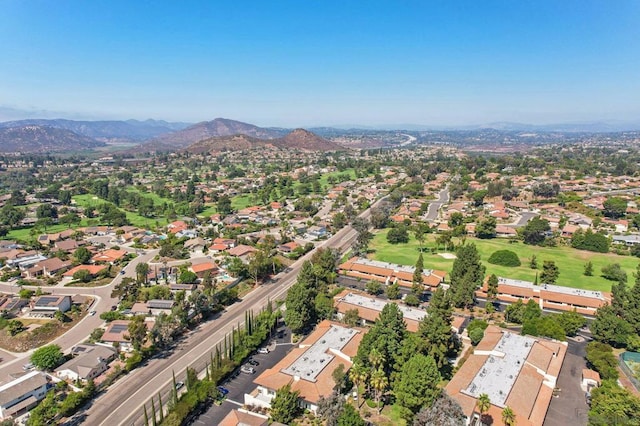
x=242 y=201
x=157 y=200
x=570 y=262
x=90 y=200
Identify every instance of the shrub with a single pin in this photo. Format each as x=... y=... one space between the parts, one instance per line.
x=504 y=258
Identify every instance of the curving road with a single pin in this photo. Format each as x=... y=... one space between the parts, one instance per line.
x=434 y=206
x=80 y=331
x=123 y=403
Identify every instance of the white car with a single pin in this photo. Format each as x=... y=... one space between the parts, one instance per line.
x=92 y=313
x=263 y=351
x=247 y=370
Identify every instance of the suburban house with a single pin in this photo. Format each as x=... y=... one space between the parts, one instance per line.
x=548 y=296
x=288 y=247
x=88 y=362
x=195 y=244
x=118 y=332
x=109 y=256
x=92 y=269
x=20 y=395
x=47 y=268
x=12 y=304
x=200 y=269
x=519 y=372
x=48 y=305
x=308 y=368
x=158 y=306
x=388 y=273
x=242 y=251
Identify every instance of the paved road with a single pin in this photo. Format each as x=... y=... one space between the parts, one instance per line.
x=80 y=331
x=122 y=404
x=523 y=219
x=434 y=206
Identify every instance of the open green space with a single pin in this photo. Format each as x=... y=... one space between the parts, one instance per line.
x=157 y=200
x=243 y=201
x=90 y=200
x=570 y=261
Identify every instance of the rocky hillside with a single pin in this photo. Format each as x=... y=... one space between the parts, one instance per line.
x=297 y=139
x=44 y=139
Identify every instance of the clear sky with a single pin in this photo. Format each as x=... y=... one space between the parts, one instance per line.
x=322 y=62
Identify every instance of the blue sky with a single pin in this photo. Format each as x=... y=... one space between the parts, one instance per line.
x=302 y=63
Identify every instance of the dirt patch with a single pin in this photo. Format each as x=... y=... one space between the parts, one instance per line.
x=38 y=334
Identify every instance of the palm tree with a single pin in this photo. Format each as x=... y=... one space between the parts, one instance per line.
x=483 y=405
x=508 y=416
x=376 y=358
x=379 y=382
x=358 y=374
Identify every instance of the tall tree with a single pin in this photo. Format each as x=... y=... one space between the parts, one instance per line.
x=417 y=385
x=483 y=403
x=550 y=272
x=142 y=272
x=535 y=231
x=467 y=275
x=379 y=383
x=632 y=310
x=508 y=416
x=361 y=244
x=435 y=329
x=492 y=287
x=284 y=406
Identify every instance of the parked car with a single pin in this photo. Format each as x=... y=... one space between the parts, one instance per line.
x=263 y=351
x=92 y=313
x=223 y=390
x=179 y=385
x=247 y=370
x=253 y=362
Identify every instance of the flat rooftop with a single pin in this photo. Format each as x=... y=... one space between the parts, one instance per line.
x=308 y=365
x=552 y=288
x=378 y=304
x=501 y=369
x=391 y=266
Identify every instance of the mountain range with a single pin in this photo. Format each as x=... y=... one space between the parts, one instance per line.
x=44 y=139
x=219 y=127
x=106 y=131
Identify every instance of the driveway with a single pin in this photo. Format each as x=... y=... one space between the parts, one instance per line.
x=570 y=406
x=243 y=383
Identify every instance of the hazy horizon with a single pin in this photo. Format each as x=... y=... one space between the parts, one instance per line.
x=289 y=64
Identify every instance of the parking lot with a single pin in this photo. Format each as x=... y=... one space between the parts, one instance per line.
x=243 y=383
x=570 y=406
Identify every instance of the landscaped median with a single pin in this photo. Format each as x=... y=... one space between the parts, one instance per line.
x=224 y=358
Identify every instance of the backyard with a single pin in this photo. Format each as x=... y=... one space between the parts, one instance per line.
x=570 y=261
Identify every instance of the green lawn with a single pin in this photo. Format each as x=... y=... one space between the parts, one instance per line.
x=243 y=201
x=569 y=261
x=90 y=200
x=157 y=200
